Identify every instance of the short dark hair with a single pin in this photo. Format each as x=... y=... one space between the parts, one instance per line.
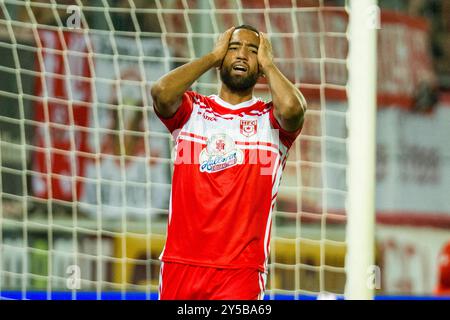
x=248 y=27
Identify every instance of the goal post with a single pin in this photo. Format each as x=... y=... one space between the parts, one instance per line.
x=361 y=144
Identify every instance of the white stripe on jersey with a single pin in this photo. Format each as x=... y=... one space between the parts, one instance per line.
x=262 y=276
x=260 y=286
x=275 y=170
x=170 y=218
x=240 y=146
x=160 y=281
x=277 y=175
x=266 y=234
x=187 y=138
x=275 y=185
x=260 y=147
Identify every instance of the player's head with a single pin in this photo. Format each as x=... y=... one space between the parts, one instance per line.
x=239 y=70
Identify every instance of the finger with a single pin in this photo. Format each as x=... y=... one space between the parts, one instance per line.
x=262 y=38
x=225 y=36
x=229 y=31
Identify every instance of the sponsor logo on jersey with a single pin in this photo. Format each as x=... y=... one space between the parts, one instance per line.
x=248 y=127
x=209 y=118
x=220 y=153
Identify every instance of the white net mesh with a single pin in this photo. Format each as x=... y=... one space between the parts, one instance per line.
x=85 y=164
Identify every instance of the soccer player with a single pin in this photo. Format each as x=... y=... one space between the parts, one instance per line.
x=231 y=149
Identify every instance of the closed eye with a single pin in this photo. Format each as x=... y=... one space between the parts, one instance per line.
x=253 y=48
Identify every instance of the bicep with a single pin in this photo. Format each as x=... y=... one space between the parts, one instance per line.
x=287 y=137
x=290 y=124
x=166 y=110
x=176 y=119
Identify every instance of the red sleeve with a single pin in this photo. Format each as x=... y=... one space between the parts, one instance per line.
x=182 y=115
x=286 y=137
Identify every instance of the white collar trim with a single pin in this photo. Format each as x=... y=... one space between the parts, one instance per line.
x=244 y=104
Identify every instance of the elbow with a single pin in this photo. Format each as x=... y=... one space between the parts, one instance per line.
x=163 y=102
x=302 y=105
x=160 y=97
x=292 y=116
x=156 y=91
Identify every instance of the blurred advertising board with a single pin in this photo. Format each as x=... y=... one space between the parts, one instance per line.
x=36 y=263
x=413 y=166
x=81 y=120
x=63 y=93
x=409 y=258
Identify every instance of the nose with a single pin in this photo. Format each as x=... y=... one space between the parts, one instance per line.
x=242 y=53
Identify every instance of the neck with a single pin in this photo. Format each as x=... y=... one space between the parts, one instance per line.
x=235 y=97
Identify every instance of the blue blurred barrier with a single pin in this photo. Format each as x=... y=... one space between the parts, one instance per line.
x=92 y=295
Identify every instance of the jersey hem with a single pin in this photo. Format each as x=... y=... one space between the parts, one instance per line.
x=213 y=265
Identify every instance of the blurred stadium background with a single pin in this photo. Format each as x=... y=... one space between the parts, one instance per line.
x=85 y=164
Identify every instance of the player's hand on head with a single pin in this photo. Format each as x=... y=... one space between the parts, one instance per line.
x=221 y=47
x=265 y=54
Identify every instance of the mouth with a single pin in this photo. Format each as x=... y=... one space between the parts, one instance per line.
x=240 y=68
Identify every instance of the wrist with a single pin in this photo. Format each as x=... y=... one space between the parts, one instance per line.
x=267 y=67
x=215 y=58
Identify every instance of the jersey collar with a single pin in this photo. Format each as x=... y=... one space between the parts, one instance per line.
x=225 y=104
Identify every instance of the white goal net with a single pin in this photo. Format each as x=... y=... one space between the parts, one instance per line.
x=85 y=165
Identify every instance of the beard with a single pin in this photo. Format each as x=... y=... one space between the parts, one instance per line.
x=238 y=83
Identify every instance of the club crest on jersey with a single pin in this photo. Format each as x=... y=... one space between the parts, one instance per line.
x=249 y=127
x=220 y=153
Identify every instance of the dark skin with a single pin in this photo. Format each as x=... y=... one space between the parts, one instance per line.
x=244 y=48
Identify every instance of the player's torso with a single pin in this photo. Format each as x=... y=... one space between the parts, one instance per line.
x=227 y=166
x=226 y=136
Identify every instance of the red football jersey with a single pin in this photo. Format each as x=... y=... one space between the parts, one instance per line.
x=228 y=165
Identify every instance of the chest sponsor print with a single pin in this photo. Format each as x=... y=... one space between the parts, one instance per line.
x=220 y=153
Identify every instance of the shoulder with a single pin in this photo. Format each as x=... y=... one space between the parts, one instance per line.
x=193 y=97
x=261 y=103
x=264 y=106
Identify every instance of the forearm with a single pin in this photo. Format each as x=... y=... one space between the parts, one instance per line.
x=169 y=89
x=288 y=101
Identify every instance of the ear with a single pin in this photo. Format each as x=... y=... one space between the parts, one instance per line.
x=260 y=72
